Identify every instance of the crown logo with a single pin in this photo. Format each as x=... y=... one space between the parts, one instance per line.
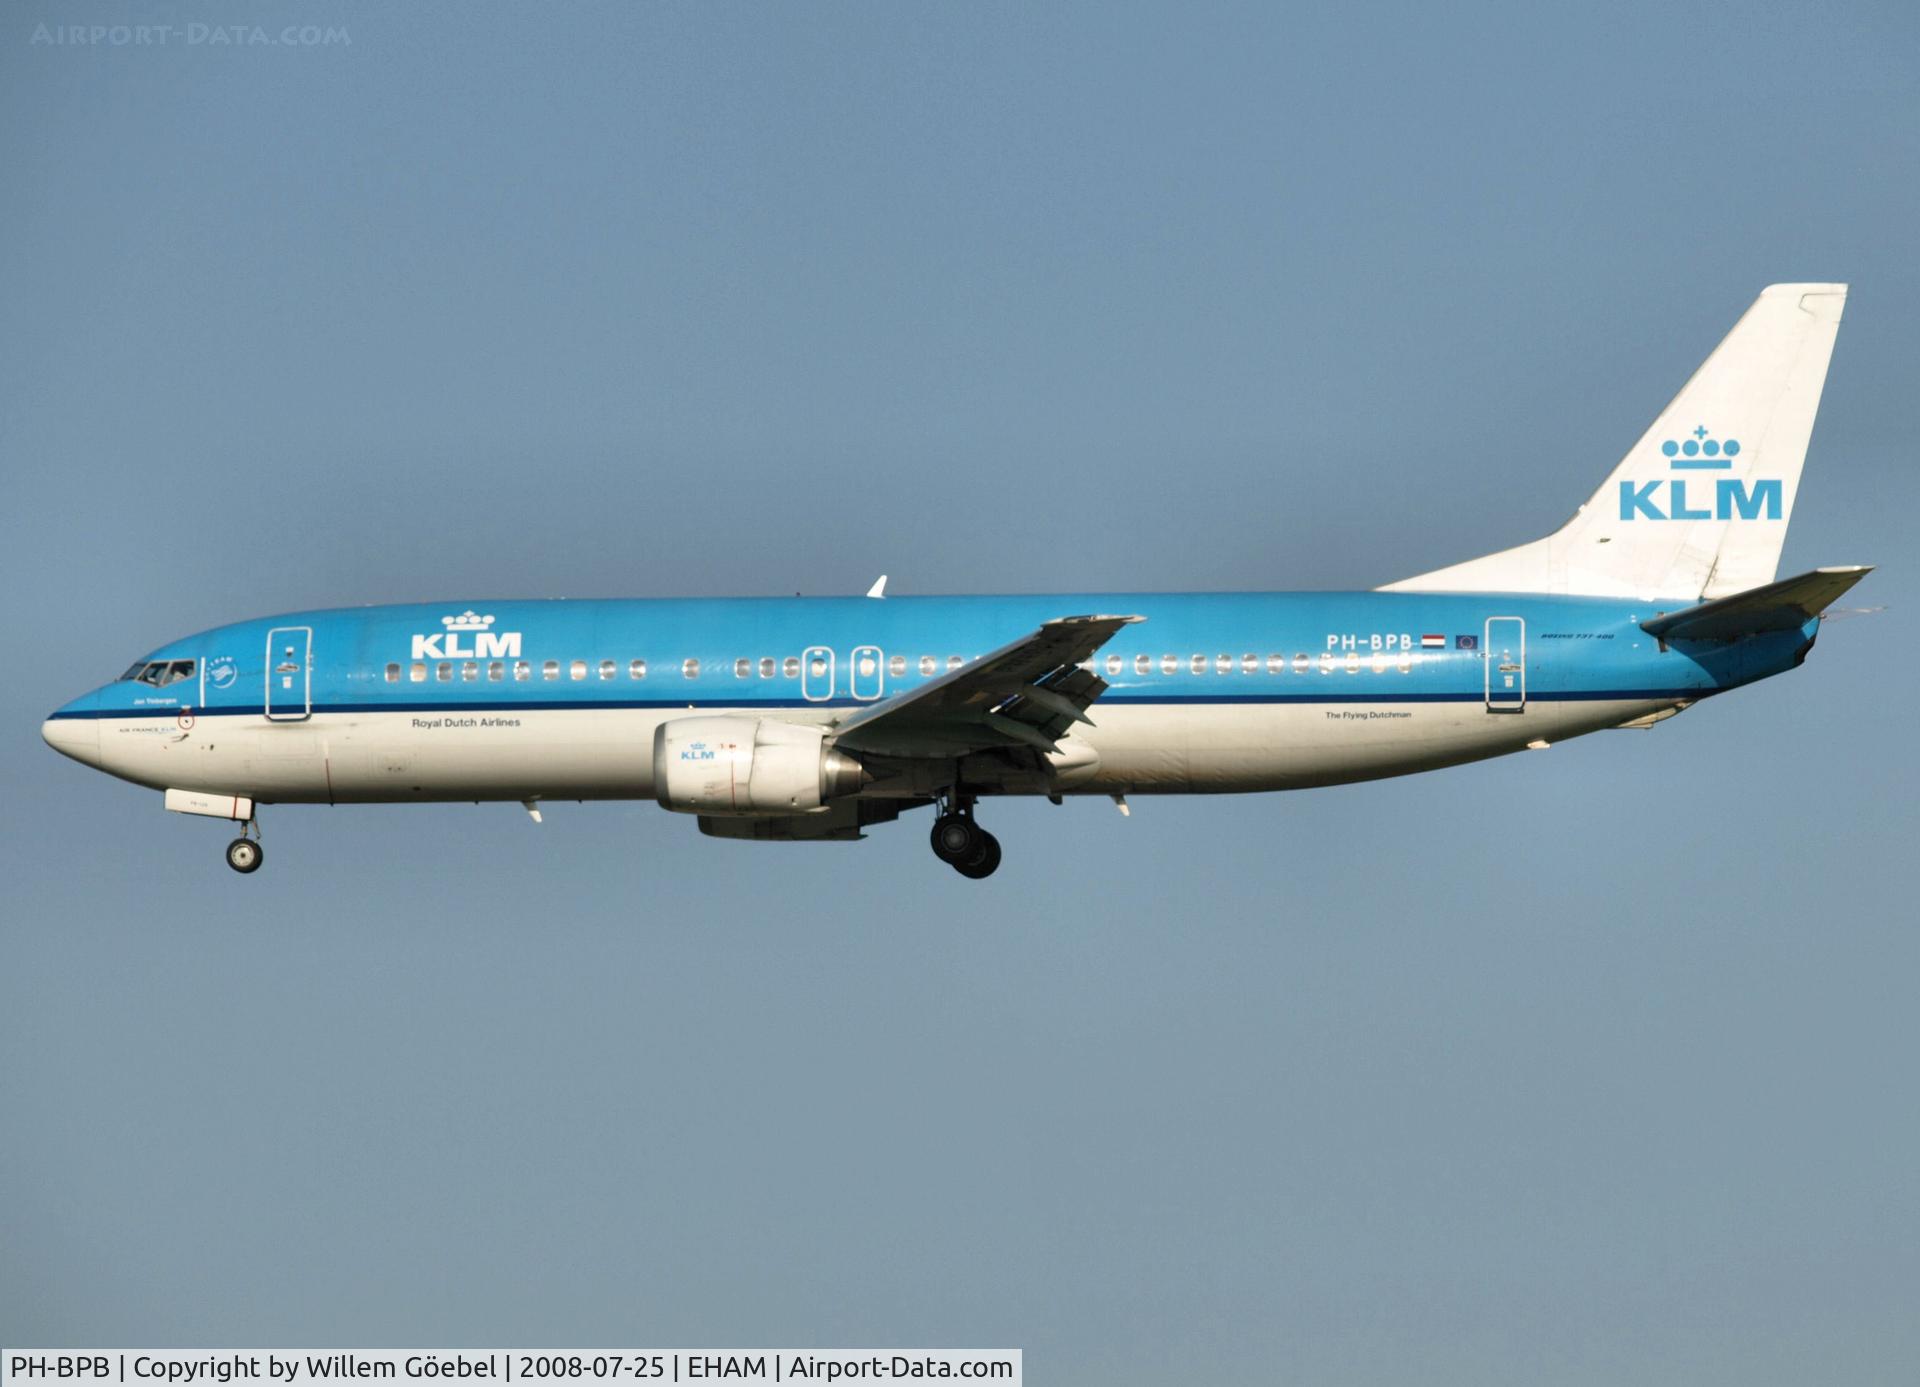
x=469 y=620
x=1700 y=453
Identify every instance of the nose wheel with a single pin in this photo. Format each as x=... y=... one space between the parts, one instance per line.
x=244 y=854
x=963 y=845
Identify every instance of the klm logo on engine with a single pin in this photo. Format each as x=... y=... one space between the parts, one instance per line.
x=487 y=644
x=697 y=751
x=1729 y=499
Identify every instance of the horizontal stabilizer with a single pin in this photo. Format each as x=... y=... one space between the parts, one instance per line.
x=1782 y=606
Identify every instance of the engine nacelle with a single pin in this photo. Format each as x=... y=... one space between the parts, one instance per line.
x=745 y=766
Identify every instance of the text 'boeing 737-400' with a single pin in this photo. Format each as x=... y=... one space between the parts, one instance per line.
x=812 y=719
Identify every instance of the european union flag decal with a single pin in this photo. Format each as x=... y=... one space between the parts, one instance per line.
x=1466 y=642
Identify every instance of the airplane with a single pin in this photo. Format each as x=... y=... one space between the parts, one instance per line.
x=814 y=719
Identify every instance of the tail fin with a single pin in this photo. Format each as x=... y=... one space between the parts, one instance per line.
x=1699 y=507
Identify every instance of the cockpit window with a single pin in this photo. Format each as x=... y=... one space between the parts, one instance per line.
x=160 y=673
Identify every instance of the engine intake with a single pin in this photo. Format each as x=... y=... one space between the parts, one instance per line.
x=747 y=766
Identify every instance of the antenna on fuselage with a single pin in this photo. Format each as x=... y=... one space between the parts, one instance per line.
x=879 y=589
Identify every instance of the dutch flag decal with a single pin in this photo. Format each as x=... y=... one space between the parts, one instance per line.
x=1433 y=642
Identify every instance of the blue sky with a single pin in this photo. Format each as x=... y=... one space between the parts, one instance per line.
x=1574 y=1068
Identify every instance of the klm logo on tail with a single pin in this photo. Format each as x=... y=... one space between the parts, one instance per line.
x=1731 y=497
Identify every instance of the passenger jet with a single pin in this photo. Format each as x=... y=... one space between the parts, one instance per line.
x=811 y=720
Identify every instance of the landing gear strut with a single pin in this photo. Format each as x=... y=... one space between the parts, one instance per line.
x=245 y=854
x=961 y=843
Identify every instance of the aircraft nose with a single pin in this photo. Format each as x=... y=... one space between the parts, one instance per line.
x=78 y=737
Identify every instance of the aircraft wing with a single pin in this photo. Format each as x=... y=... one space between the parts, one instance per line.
x=1026 y=694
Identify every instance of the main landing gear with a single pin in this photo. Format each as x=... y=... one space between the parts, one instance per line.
x=961 y=843
x=245 y=854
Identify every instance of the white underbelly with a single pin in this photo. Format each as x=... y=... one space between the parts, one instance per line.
x=608 y=753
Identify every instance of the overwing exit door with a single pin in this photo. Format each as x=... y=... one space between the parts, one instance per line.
x=816 y=674
x=289 y=673
x=867 y=672
x=1505 y=652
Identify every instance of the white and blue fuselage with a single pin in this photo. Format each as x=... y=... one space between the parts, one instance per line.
x=811 y=719
x=561 y=699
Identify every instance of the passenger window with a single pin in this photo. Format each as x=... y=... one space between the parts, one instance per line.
x=896 y=666
x=1169 y=664
x=1406 y=662
x=637 y=669
x=1326 y=662
x=1223 y=664
x=1143 y=664
x=1198 y=664
x=393 y=674
x=817 y=668
x=790 y=667
x=443 y=672
x=470 y=671
x=742 y=668
x=522 y=670
x=766 y=667
x=1113 y=664
x=1379 y=663
x=1276 y=664
x=1249 y=664
x=927 y=666
x=1353 y=662
x=954 y=662
x=690 y=668
x=1299 y=664
x=577 y=669
x=496 y=672
x=550 y=670
x=608 y=669
x=418 y=673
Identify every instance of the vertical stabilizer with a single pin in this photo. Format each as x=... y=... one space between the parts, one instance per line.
x=1699 y=507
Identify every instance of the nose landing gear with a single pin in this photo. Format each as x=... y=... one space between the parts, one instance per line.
x=244 y=854
x=961 y=843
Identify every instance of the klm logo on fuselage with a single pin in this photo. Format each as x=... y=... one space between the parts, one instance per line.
x=468 y=636
x=1731 y=498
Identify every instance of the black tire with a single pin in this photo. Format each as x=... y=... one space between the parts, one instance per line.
x=984 y=863
x=955 y=839
x=245 y=855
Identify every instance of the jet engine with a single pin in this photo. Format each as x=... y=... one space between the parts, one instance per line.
x=746 y=766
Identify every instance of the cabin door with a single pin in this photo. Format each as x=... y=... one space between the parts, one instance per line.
x=289 y=674
x=1504 y=652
